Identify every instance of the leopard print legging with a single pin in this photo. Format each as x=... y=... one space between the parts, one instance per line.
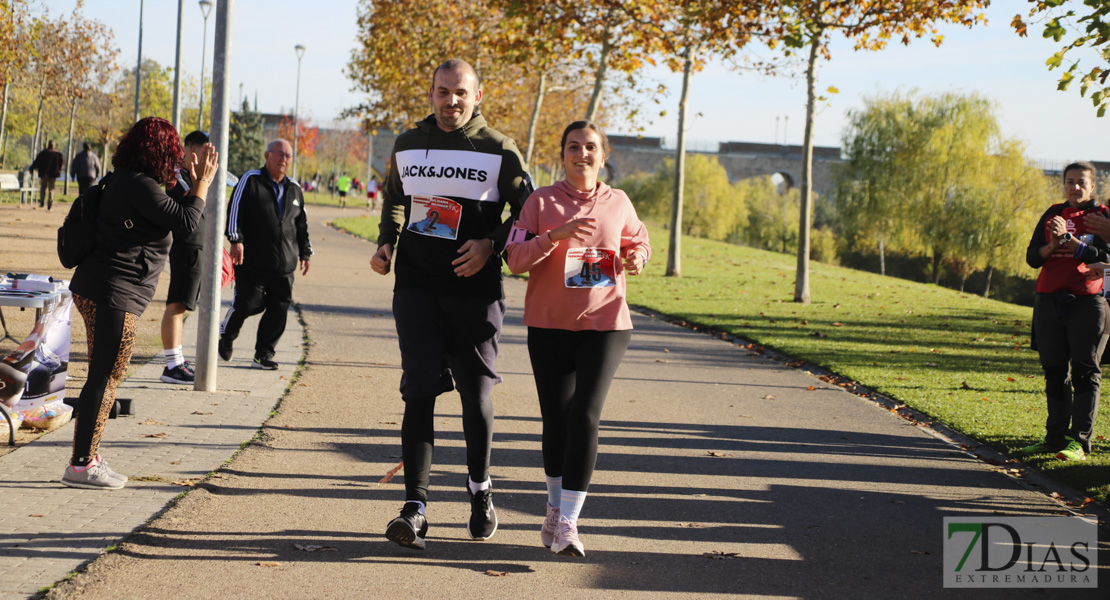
x=111 y=338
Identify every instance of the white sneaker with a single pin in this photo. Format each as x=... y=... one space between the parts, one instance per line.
x=550 y=522
x=566 y=539
x=93 y=477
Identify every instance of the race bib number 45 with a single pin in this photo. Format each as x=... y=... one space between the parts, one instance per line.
x=434 y=216
x=590 y=268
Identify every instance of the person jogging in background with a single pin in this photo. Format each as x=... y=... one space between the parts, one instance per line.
x=371 y=192
x=343 y=185
x=579 y=239
x=185 y=269
x=451 y=179
x=1069 y=314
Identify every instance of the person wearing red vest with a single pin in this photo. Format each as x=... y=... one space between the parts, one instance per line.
x=1069 y=314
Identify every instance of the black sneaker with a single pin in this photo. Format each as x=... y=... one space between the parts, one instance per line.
x=178 y=374
x=483 y=517
x=190 y=367
x=264 y=363
x=408 y=529
x=224 y=348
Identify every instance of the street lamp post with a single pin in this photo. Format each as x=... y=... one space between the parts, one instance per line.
x=205 y=9
x=297 y=109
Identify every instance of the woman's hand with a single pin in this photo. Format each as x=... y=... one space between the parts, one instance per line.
x=578 y=229
x=633 y=263
x=204 y=166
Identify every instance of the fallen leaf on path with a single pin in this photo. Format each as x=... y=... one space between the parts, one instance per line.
x=718 y=555
x=308 y=412
x=662 y=360
x=185 y=483
x=387 y=422
x=493 y=573
x=717 y=454
x=201 y=412
x=315 y=548
x=41 y=516
x=151 y=421
x=666 y=349
x=692 y=525
x=268 y=563
x=389 y=475
x=768 y=397
x=811 y=388
x=155 y=435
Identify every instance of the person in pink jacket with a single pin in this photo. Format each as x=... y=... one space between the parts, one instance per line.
x=578 y=238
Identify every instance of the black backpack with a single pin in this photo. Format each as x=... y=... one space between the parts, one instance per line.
x=77 y=235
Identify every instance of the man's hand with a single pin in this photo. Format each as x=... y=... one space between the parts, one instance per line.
x=382 y=259
x=304 y=267
x=474 y=253
x=236 y=253
x=1099 y=224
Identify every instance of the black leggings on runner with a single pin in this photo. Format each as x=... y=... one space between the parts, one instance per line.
x=418 y=439
x=573 y=371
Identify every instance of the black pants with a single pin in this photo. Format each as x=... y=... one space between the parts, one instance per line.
x=111 y=338
x=573 y=371
x=1070 y=339
x=270 y=295
x=447 y=342
x=83 y=184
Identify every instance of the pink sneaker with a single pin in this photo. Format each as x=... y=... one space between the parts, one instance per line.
x=547 y=532
x=566 y=539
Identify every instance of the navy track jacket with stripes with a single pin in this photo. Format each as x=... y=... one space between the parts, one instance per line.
x=274 y=239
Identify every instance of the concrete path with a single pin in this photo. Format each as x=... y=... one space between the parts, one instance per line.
x=721 y=473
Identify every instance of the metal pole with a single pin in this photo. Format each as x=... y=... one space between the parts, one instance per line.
x=297 y=111
x=139 y=66
x=177 y=68
x=203 y=60
x=208 y=332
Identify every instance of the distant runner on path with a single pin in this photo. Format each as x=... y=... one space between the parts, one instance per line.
x=452 y=176
x=343 y=184
x=579 y=239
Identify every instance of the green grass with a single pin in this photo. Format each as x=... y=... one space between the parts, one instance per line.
x=959 y=358
x=355 y=200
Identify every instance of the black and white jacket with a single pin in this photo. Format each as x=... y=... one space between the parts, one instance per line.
x=274 y=239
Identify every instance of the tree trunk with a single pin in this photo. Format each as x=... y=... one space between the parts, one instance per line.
x=599 y=78
x=937 y=259
x=963 y=281
x=987 y=287
x=882 y=255
x=37 y=139
x=4 y=124
x=801 y=279
x=536 y=106
x=69 y=145
x=674 y=258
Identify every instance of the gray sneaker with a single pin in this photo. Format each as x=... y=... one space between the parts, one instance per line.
x=97 y=477
x=111 y=472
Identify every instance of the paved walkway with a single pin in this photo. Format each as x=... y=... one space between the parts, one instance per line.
x=722 y=473
x=49 y=530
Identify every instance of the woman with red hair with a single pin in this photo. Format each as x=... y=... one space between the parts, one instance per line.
x=114 y=284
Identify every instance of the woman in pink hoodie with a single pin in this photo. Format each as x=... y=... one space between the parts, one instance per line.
x=578 y=238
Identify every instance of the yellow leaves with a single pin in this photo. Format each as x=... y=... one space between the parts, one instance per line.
x=832 y=90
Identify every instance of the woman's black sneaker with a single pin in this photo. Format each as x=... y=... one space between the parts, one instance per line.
x=408 y=529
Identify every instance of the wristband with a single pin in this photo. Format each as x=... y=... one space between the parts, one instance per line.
x=1080 y=249
x=203 y=179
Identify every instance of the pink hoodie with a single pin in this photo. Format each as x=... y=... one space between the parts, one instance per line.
x=576 y=285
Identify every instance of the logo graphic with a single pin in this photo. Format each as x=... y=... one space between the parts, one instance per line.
x=1020 y=552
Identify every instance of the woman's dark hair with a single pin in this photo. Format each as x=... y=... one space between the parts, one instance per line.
x=584 y=125
x=151 y=147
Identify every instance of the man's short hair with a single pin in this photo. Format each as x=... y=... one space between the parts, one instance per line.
x=1081 y=166
x=196 y=138
x=86 y=146
x=50 y=145
x=457 y=64
x=271 y=146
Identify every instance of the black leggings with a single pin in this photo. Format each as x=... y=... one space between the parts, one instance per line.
x=418 y=438
x=111 y=338
x=573 y=372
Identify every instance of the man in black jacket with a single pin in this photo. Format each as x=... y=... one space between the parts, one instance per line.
x=268 y=231
x=50 y=165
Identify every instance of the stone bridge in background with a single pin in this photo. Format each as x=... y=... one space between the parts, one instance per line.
x=741 y=160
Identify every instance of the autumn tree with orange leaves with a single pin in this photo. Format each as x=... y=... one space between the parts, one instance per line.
x=809 y=25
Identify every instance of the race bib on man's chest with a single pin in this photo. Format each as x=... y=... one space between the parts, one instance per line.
x=434 y=216
x=590 y=268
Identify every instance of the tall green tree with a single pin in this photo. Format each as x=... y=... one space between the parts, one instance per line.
x=809 y=24
x=245 y=144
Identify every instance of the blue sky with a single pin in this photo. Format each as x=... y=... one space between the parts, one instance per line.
x=725 y=105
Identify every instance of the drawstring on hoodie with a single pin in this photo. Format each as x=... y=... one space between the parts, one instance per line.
x=462 y=130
